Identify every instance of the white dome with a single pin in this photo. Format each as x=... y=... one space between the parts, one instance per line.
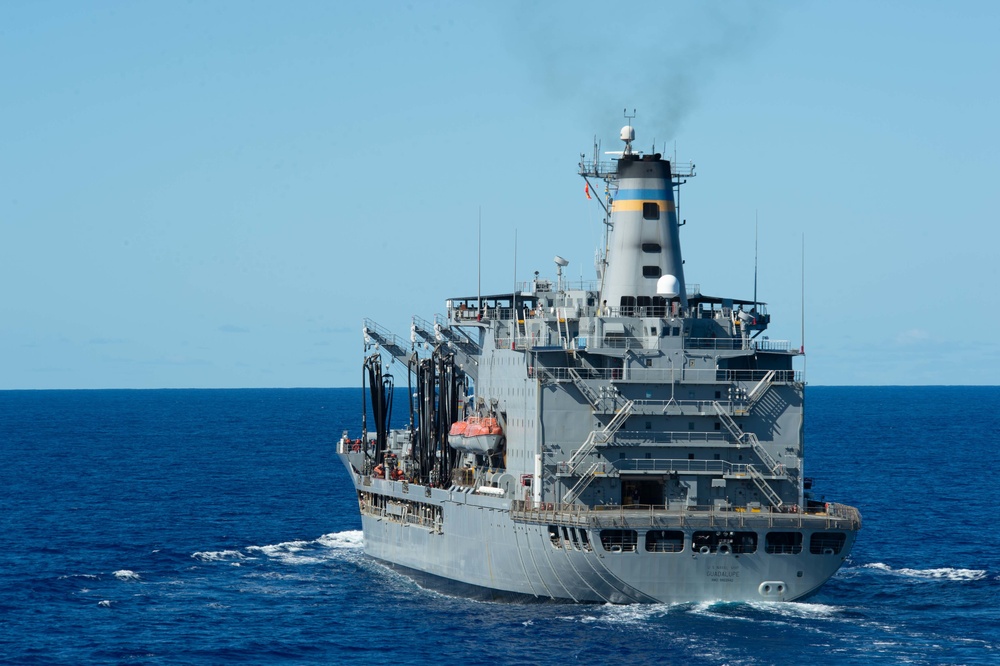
x=668 y=286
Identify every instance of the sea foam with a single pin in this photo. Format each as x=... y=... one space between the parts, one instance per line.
x=943 y=573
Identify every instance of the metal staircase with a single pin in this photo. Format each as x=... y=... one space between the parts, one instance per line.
x=758 y=391
x=592 y=397
x=599 y=436
x=774 y=468
x=601 y=403
x=582 y=484
x=596 y=437
x=764 y=486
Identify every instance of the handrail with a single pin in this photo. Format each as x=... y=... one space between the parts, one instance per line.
x=667 y=375
x=836 y=516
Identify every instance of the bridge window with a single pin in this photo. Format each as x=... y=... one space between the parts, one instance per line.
x=827 y=543
x=651 y=271
x=783 y=543
x=650 y=210
x=652 y=247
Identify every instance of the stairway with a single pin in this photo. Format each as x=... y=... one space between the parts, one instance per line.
x=764 y=486
x=582 y=484
x=600 y=436
x=758 y=391
x=773 y=467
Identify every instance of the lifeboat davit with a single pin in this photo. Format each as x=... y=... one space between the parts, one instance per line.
x=476 y=434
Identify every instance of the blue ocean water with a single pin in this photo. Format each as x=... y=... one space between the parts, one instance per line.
x=217 y=526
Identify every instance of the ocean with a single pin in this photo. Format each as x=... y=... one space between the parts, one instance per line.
x=217 y=526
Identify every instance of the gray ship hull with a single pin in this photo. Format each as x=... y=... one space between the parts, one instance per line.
x=495 y=551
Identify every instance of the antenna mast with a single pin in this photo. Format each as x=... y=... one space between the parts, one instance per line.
x=802 y=307
x=755 y=258
x=479 y=270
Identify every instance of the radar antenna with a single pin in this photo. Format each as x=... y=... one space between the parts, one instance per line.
x=628 y=133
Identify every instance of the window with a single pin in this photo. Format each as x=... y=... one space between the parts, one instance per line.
x=651 y=271
x=783 y=543
x=617 y=541
x=664 y=541
x=650 y=210
x=653 y=248
x=827 y=543
x=736 y=543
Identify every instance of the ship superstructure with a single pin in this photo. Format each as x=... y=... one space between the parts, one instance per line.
x=631 y=440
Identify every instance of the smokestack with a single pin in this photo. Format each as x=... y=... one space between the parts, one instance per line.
x=644 y=253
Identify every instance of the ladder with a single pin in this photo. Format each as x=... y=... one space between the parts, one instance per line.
x=758 y=391
x=600 y=436
x=588 y=393
x=750 y=438
x=764 y=486
x=582 y=484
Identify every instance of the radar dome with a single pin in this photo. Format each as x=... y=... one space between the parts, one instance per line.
x=628 y=133
x=668 y=286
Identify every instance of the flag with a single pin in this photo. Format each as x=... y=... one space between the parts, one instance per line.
x=586 y=190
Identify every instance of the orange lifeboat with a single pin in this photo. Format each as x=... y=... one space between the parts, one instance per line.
x=477 y=434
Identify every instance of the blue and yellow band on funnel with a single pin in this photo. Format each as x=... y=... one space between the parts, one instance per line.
x=633 y=199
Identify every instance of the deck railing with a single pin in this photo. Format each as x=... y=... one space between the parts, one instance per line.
x=835 y=516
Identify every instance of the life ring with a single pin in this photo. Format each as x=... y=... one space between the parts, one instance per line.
x=704 y=550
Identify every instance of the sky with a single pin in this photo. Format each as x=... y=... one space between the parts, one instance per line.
x=215 y=194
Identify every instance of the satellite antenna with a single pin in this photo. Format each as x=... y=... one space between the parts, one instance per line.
x=560 y=264
x=628 y=133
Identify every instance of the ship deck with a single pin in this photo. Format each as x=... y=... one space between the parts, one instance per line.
x=836 y=516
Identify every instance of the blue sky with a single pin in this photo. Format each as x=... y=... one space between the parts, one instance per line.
x=215 y=194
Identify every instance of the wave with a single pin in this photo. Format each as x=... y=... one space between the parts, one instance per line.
x=351 y=539
x=126 y=575
x=326 y=547
x=943 y=573
x=329 y=546
x=218 y=555
x=798 y=609
x=640 y=614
